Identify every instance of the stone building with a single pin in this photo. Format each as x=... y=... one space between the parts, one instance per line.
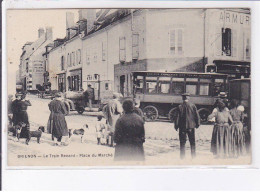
x=31 y=68
x=107 y=45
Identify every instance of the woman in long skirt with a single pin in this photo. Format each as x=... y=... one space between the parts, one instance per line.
x=220 y=142
x=57 y=125
x=237 y=134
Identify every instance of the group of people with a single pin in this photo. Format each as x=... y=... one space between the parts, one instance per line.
x=17 y=114
x=123 y=124
x=126 y=128
x=228 y=136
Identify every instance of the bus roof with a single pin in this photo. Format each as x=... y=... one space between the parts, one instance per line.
x=196 y=73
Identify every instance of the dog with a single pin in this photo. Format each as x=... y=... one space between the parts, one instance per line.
x=36 y=134
x=80 y=132
x=16 y=130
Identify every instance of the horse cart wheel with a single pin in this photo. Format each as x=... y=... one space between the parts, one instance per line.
x=173 y=114
x=150 y=113
x=204 y=113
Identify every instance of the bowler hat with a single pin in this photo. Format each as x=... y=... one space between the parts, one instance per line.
x=186 y=94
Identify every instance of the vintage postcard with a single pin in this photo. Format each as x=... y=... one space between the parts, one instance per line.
x=128 y=87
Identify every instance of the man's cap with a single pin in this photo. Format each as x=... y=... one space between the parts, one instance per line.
x=185 y=94
x=89 y=85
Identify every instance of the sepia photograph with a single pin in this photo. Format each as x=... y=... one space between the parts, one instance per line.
x=128 y=87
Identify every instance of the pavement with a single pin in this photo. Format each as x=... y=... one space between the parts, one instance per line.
x=161 y=146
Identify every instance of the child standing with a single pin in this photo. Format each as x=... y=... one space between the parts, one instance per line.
x=100 y=130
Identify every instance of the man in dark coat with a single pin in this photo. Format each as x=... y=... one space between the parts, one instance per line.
x=15 y=108
x=138 y=110
x=187 y=119
x=89 y=96
x=129 y=134
x=57 y=124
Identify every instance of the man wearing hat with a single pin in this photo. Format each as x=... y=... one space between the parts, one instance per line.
x=113 y=111
x=186 y=121
x=89 y=96
x=15 y=108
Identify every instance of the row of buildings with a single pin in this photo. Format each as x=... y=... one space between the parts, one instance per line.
x=107 y=45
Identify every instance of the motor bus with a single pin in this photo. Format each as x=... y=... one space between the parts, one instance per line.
x=160 y=92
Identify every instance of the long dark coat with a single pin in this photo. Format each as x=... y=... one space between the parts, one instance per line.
x=57 y=125
x=187 y=116
x=15 y=109
x=129 y=137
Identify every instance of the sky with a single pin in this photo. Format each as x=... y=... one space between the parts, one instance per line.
x=22 y=26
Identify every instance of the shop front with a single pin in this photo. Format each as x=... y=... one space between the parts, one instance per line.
x=75 y=80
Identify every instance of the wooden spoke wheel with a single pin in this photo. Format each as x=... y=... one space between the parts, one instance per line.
x=173 y=114
x=150 y=113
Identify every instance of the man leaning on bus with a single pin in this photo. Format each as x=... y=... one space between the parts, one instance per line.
x=186 y=121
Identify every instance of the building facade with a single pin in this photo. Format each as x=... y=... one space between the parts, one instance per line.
x=108 y=45
x=31 y=68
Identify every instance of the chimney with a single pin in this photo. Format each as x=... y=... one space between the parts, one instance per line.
x=40 y=32
x=69 y=24
x=91 y=18
x=49 y=33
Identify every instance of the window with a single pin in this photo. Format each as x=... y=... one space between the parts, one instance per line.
x=172 y=42
x=87 y=58
x=191 y=85
x=226 y=41
x=122 y=52
x=164 y=85
x=247 y=47
x=177 y=85
x=135 y=46
x=68 y=60
x=103 y=51
x=151 y=83
x=79 y=55
x=205 y=87
x=234 y=43
x=218 y=87
x=62 y=63
x=73 y=58
x=139 y=84
x=77 y=58
x=179 y=41
x=176 y=41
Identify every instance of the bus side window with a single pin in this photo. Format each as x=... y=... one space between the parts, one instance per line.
x=177 y=86
x=218 y=87
x=204 y=89
x=191 y=85
x=139 y=84
x=164 y=85
x=151 y=85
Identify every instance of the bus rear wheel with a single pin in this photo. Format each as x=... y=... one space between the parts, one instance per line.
x=150 y=113
x=204 y=113
x=172 y=114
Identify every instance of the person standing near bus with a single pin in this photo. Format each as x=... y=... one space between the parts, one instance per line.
x=113 y=111
x=186 y=121
x=89 y=96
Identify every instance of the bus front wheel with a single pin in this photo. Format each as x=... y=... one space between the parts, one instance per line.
x=173 y=114
x=150 y=113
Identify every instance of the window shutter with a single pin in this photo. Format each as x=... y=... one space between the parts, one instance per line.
x=180 y=39
x=135 y=46
x=234 y=43
x=172 y=42
x=218 y=42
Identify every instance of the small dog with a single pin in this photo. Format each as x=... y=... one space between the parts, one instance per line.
x=80 y=132
x=16 y=130
x=36 y=134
